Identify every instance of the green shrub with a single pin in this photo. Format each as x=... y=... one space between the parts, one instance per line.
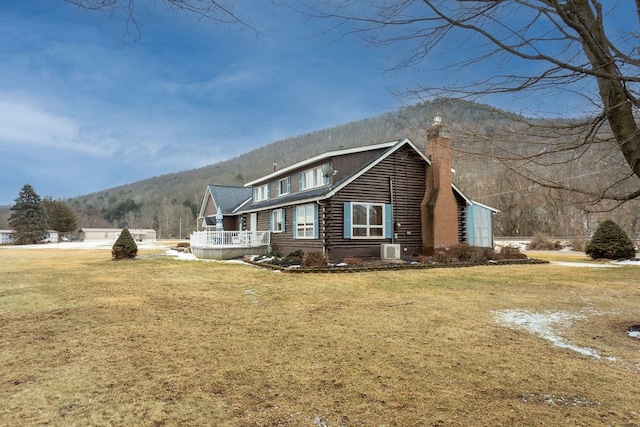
x=293 y=258
x=610 y=241
x=125 y=247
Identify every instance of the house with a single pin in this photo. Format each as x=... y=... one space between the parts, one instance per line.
x=6 y=237
x=228 y=199
x=112 y=234
x=387 y=200
x=52 y=237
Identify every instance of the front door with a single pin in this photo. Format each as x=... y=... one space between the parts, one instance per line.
x=253 y=220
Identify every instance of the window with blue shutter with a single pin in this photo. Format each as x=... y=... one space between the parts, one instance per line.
x=367 y=221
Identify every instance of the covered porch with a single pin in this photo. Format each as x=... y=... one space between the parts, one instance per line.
x=229 y=244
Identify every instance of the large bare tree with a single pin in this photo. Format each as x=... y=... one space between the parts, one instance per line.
x=585 y=49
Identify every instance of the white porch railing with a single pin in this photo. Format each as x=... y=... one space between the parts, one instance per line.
x=244 y=239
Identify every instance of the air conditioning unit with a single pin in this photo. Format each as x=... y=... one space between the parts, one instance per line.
x=390 y=251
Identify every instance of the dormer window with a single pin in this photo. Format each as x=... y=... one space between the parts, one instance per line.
x=311 y=178
x=261 y=193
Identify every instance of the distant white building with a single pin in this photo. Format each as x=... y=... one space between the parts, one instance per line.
x=6 y=237
x=112 y=234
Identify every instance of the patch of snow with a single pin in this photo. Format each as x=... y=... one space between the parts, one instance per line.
x=634 y=334
x=184 y=256
x=628 y=262
x=554 y=400
x=102 y=244
x=545 y=326
x=584 y=264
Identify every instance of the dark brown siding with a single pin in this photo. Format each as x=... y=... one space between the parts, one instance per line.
x=344 y=165
x=401 y=174
x=284 y=242
x=399 y=179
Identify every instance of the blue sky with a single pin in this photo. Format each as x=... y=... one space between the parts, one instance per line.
x=84 y=106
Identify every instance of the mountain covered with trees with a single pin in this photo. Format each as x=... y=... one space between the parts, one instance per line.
x=170 y=203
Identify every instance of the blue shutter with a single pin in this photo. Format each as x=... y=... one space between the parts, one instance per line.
x=315 y=221
x=277 y=188
x=284 y=218
x=295 y=222
x=268 y=191
x=388 y=222
x=299 y=181
x=288 y=184
x=346 y=222
x=271 y=221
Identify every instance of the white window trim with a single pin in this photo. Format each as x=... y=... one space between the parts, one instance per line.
x=281 y=213
x=316 y=176
x=368 y=226
x=287 y=185
x=261 y=193
x=307 y=227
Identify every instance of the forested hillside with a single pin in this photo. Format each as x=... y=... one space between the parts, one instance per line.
x=170 y=203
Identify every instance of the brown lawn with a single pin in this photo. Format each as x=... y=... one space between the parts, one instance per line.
x=88 y=341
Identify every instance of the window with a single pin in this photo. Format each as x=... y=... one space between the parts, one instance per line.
x=283 y=186
x=311 y=178
x=305 y=222
x=367 y=220
x=261 y=193
x=277 y=221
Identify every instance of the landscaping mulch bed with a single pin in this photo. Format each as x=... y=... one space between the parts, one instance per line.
x=381 y=265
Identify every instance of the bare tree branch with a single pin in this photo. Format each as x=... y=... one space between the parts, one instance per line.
x=219 y=11
x=567 y=41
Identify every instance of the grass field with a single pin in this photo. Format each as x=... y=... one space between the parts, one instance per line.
x=160 y=342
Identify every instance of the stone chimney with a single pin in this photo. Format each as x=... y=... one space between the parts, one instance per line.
x=439 y=209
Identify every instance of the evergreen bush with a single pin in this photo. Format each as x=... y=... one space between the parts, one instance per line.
x=125 y=247
x=611 y=242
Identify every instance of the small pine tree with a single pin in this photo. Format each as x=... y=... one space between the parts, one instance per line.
x=611 y=242
x=29 y=218
x=124 y=247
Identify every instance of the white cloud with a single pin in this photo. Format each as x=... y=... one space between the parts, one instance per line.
x=25 y=123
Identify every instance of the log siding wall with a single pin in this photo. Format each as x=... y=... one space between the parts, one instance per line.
x=399 y=179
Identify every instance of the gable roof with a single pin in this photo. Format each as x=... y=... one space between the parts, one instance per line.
x=325 y=192
x=227 y=197
x=319 y=158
